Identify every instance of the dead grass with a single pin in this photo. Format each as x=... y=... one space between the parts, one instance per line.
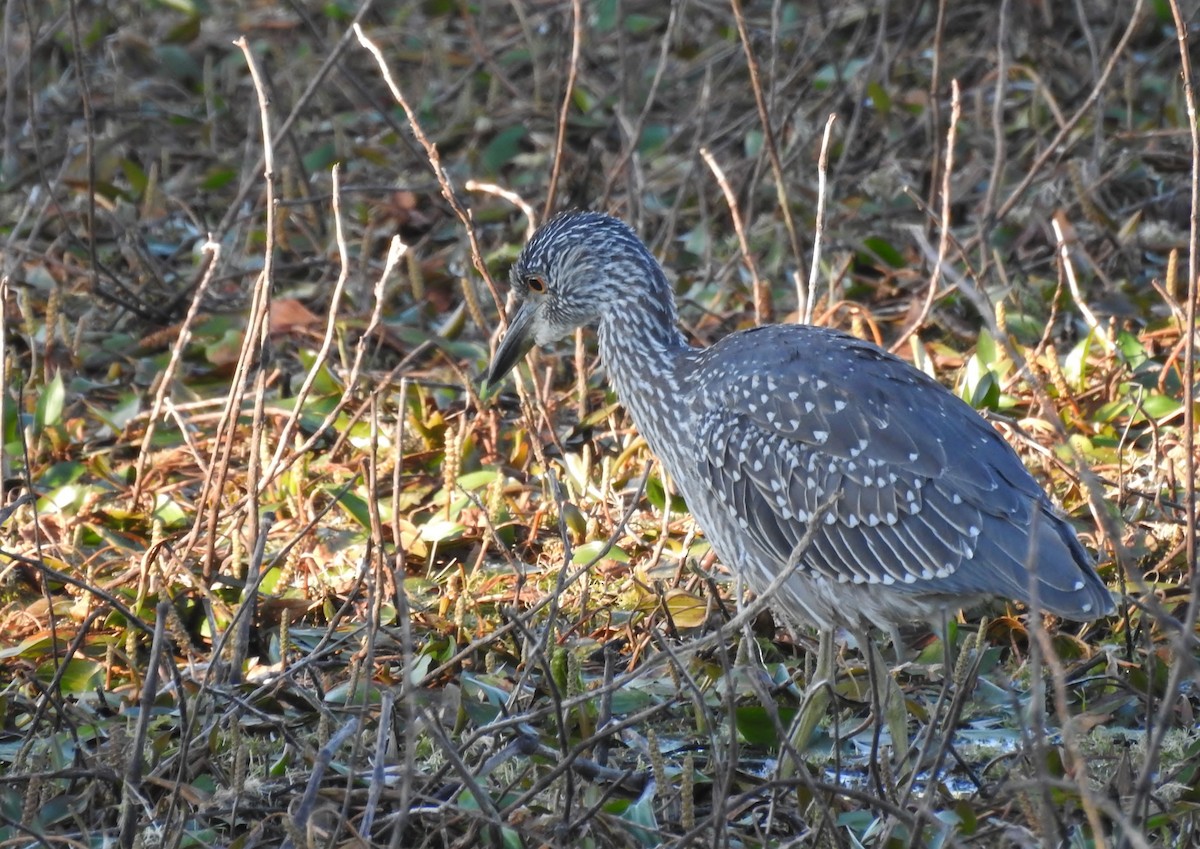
x=273 y=574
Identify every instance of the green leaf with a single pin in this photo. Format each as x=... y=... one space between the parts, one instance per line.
x=656 y=494
x=11 y=427
x=218 y=178
x=61 y=474
x=185 y=32
x=280 y=765
x=191 y=8
x=320 y=158
x=1132 y=350
x=1159 y=407
x=503 y=148
x=510 y=839
x=1111 y=411
x=29 y=649
x=135 y=176
x=1026 y=328
x=341 y=13
x=179 y=63
x=355 y=505
x=50 y=405
x=471 y=481
x=985 y=394
x=830 y=75
x=638 y=24
x=879 y=97
x=441 y=530
x=884 y=250
x=480 y=686
x=78 y=676
x=752 y=144
x=583 y=99
x=654 y=136
x=168 y=511
x=986 y=349
x=629 y=699
x=756 y=727
x=226 y=348
x=350 y=692
x=589 y=551
x=640 y=815
x=1075 y=363
x=604 y=15
x=687 y=610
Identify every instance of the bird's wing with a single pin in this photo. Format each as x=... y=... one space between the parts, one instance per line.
x=931 y=497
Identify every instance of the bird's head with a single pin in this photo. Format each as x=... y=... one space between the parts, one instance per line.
x=575 y=269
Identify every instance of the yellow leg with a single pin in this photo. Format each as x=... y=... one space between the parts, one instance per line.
x=815 y=704
x=887 y=699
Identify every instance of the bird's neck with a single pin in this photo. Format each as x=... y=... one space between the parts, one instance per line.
x=643 y=350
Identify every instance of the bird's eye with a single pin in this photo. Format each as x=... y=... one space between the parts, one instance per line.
x=536 y=283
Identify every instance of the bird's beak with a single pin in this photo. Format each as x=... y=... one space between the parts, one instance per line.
x=516 y=343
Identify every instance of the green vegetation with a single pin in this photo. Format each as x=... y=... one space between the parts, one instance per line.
x=272 y=571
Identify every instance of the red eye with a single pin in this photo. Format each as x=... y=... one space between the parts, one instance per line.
x=536 y=283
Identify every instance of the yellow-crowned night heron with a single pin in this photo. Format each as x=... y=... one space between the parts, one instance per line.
x=935 y=510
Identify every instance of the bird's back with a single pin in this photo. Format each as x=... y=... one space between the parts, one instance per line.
x=933 y=509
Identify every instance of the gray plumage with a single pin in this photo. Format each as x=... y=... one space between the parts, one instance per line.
x=934 y=511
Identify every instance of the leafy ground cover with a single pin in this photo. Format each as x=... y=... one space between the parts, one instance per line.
x=273 y=572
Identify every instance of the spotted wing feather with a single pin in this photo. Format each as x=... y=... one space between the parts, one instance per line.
x=932 y=500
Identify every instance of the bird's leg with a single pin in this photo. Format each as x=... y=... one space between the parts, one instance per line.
x=958 y=682
x=948 y=632
x=887 y=706
x=815 y=704
x=942 y=627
